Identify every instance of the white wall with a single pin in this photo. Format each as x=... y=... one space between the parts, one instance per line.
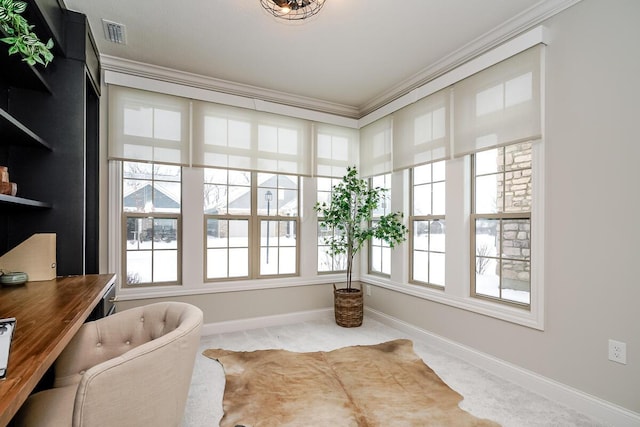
x=592 y=209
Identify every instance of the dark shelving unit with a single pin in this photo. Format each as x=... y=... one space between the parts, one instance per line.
x=14 y=133
x=49 y=139
x=16 y=202
x=18 y=73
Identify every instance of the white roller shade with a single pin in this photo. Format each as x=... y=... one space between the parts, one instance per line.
x=421 y=131
x=336 y=149
x=499 y=105
x=375 y=147
x=147 y=126
x=238 y=138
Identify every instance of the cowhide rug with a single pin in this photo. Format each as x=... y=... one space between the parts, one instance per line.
x=377 y=385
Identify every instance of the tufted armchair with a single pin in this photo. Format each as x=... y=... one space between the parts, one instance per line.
x=130 y=369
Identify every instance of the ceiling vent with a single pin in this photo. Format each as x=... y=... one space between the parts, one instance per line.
x=114 y=32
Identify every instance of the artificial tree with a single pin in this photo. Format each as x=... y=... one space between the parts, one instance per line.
x=349 y=216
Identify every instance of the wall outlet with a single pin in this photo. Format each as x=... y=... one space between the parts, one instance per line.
x=368 y=290
x=618 y=351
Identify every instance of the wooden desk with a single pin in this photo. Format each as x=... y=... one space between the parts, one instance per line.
x=48 y=314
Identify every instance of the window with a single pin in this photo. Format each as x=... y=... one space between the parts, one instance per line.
x=227 y=210
x=379 y=251
x=239 y=189
x=501 y=224
x=278 y=216
x=243 y=207
x=428 y=224
x=327 y=263
x=152 y=216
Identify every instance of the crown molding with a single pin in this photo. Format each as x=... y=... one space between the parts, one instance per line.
x=168 y=75
x=528 y=19
x=521 y=23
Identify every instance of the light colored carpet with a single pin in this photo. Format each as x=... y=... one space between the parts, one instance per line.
x=485 y=395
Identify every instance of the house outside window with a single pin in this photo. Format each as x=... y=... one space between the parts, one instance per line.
x=277 y=212
x=227 y=210
x=151 y=226
x=242 y=208
x=501 y=224
x=427 y=240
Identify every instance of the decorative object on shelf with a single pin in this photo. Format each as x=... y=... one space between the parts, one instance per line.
x=292 y=10
x=20 y=35
x=13 y=278
x=349 y=221
x=6 y=187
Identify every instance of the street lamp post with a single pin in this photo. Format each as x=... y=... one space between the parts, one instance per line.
x=268 y=197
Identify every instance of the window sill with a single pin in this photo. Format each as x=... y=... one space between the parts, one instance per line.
x=530 y=319
x=128 y=294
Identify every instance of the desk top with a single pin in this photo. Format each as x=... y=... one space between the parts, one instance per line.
x=48 y=314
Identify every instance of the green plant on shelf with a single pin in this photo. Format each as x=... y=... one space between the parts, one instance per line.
x=20 y=36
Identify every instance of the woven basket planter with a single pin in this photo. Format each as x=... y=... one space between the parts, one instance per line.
x=348 y=306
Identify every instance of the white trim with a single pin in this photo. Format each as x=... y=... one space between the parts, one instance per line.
x=490 y=40
x=115 y=220
x=130 y=294
x=266 y=321
x=156 y=82
x=475 y=305
x=512 y=28
x=486 y=60
x=582 y=402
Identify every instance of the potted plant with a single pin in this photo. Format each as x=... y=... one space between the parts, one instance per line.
x=20 y=36
x=348 y=217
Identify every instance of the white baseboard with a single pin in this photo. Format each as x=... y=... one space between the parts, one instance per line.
x=266 y=321
x=587 y=404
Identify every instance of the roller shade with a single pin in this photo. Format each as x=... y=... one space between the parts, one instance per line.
x=238 y=138
x=147 y=126
x=336 y=149
x=375 y=147
x=499 y=105
x=421 y=131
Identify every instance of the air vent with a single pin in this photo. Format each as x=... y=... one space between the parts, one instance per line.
x=114 y=32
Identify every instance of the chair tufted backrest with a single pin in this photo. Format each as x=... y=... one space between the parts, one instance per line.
x=133 y=368
x=119 y=333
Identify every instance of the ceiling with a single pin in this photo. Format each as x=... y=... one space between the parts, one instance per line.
x=352 y=57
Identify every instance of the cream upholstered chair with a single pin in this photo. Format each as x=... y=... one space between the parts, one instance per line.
x=130 y=369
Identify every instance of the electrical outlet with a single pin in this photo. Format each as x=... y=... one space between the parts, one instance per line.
x=618 y=351
x=368 y=290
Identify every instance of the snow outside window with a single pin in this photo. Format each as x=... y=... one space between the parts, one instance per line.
x=501 y=224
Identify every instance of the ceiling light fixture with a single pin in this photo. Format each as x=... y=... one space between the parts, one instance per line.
x=292 y=10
